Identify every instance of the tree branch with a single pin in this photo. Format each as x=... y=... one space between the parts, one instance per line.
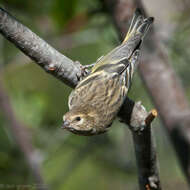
x=38 y=50
x=161 y=82
x=22 y=138
x=139 y=120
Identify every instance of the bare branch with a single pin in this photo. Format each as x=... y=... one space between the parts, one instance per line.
x=38 y=50
x=139 y=120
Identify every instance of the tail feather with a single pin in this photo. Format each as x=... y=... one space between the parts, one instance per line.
x=137 y=16
x=143 y=28
x=138 y=25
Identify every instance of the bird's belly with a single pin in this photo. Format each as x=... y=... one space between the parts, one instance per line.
x=105 y=96
x=107 y=100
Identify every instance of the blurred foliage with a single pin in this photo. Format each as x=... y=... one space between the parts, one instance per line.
x=63 y=11
x=39 y=101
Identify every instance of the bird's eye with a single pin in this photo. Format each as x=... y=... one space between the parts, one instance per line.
x=78 y=118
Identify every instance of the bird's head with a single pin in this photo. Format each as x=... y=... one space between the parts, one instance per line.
x=81 y=121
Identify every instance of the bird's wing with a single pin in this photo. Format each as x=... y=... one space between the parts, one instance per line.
x=74 y=97
x=122 y=58
x=131 y=43
x=71 y=99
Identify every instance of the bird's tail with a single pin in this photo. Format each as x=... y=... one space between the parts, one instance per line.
x=139 y=25
x=127 y=54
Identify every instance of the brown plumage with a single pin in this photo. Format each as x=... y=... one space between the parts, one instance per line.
x=97 y=99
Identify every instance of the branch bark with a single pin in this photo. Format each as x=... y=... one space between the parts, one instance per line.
x=38 y=50
x=139 y=120
x=161 y=81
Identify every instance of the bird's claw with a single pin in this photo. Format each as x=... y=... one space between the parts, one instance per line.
x=84 y=71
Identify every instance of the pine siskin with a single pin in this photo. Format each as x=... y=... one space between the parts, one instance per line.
x=96 y=100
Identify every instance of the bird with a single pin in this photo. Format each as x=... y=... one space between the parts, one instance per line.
x=96 y=100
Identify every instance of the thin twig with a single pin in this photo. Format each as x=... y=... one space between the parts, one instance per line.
x=153 y=113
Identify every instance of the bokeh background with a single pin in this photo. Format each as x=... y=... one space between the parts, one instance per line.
x=69 y=162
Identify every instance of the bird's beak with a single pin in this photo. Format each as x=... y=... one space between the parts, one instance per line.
x=65 y=124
